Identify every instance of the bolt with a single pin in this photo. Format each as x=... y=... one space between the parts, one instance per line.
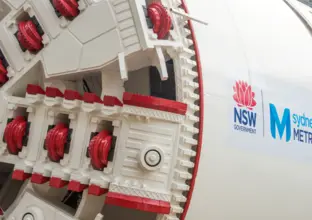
x=152 y=158
x=28 y=216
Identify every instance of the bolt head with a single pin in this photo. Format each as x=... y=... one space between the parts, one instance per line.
x=28 y=216
x=152 y=158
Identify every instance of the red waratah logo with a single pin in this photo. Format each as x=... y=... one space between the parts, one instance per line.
x=244 y=96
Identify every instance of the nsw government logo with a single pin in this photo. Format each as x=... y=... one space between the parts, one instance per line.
x=245 y=118
x=290 y=125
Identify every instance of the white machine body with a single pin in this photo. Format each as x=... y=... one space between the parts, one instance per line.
x=155 y=110
x=255 y=163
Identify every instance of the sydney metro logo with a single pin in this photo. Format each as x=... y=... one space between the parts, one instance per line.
x=282 y=125
x=244 y=117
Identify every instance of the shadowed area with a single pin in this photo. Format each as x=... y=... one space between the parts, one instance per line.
x=115 y=212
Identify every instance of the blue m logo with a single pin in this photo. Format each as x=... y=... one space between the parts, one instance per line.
x=280 y=125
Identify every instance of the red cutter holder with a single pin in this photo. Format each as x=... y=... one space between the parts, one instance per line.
x=99 y=148
x=56 y=141
x=160 y=19
x=15 y=133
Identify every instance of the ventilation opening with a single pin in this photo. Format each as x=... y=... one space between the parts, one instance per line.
x=20 y=111
x=4 y=9
x=151 y=1
x=23 y=16
x=307 y=2
x=138 y=82
x=72 y=199
x=62 y=118
x=33 y=76
x=111 y=153
x=147 y=81
x=9 y=188
x=3 y=60
x=120 y=213
x=60 y=198
x=93 y=84
x=163 y=89
x=3 y=69
x=90 y=206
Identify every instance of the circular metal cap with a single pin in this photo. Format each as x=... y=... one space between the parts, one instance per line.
x=28 y=216
x=32 y=213
x=151 y=158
